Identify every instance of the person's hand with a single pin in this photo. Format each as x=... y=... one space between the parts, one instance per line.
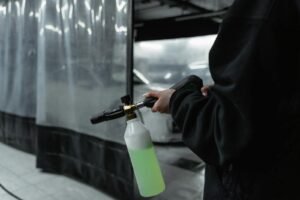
x=163 y=100
x=205 y=89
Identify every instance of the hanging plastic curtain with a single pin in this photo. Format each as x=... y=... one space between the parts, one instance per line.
x=18 y=54
x=61 y=61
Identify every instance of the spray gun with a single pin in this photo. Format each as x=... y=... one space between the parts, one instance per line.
x=189 y=82
x=138 y=141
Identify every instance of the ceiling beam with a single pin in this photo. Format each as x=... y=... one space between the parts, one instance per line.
x=170 y=28
x=188 y=4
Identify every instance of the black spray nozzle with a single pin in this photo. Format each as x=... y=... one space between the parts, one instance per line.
x=114 y=114
x=106 y=116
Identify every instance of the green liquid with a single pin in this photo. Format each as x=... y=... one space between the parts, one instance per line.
x=147 y=171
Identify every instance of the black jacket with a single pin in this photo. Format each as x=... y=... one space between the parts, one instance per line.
x=248 y=128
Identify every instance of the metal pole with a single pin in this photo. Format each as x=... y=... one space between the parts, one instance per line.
x=130 y=40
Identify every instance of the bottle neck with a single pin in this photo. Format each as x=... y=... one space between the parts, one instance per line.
x=131 y=116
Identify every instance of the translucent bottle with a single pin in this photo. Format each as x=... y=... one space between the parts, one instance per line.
x=143 y=158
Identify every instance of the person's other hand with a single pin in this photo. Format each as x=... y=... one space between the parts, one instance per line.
x=163 y=100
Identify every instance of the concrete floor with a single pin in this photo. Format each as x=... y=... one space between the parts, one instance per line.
x=182 y=170
x=19 y=175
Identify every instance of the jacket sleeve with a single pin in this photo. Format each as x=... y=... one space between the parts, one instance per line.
x=213 y=127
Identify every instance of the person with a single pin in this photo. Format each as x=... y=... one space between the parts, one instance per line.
x=246 y=127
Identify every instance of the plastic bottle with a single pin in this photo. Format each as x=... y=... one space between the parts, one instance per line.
x=143 y=158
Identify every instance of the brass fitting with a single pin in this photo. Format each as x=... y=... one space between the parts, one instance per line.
x=129 y=111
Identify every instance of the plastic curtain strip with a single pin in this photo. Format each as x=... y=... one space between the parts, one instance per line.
x=18 y=55
x=63 y=60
